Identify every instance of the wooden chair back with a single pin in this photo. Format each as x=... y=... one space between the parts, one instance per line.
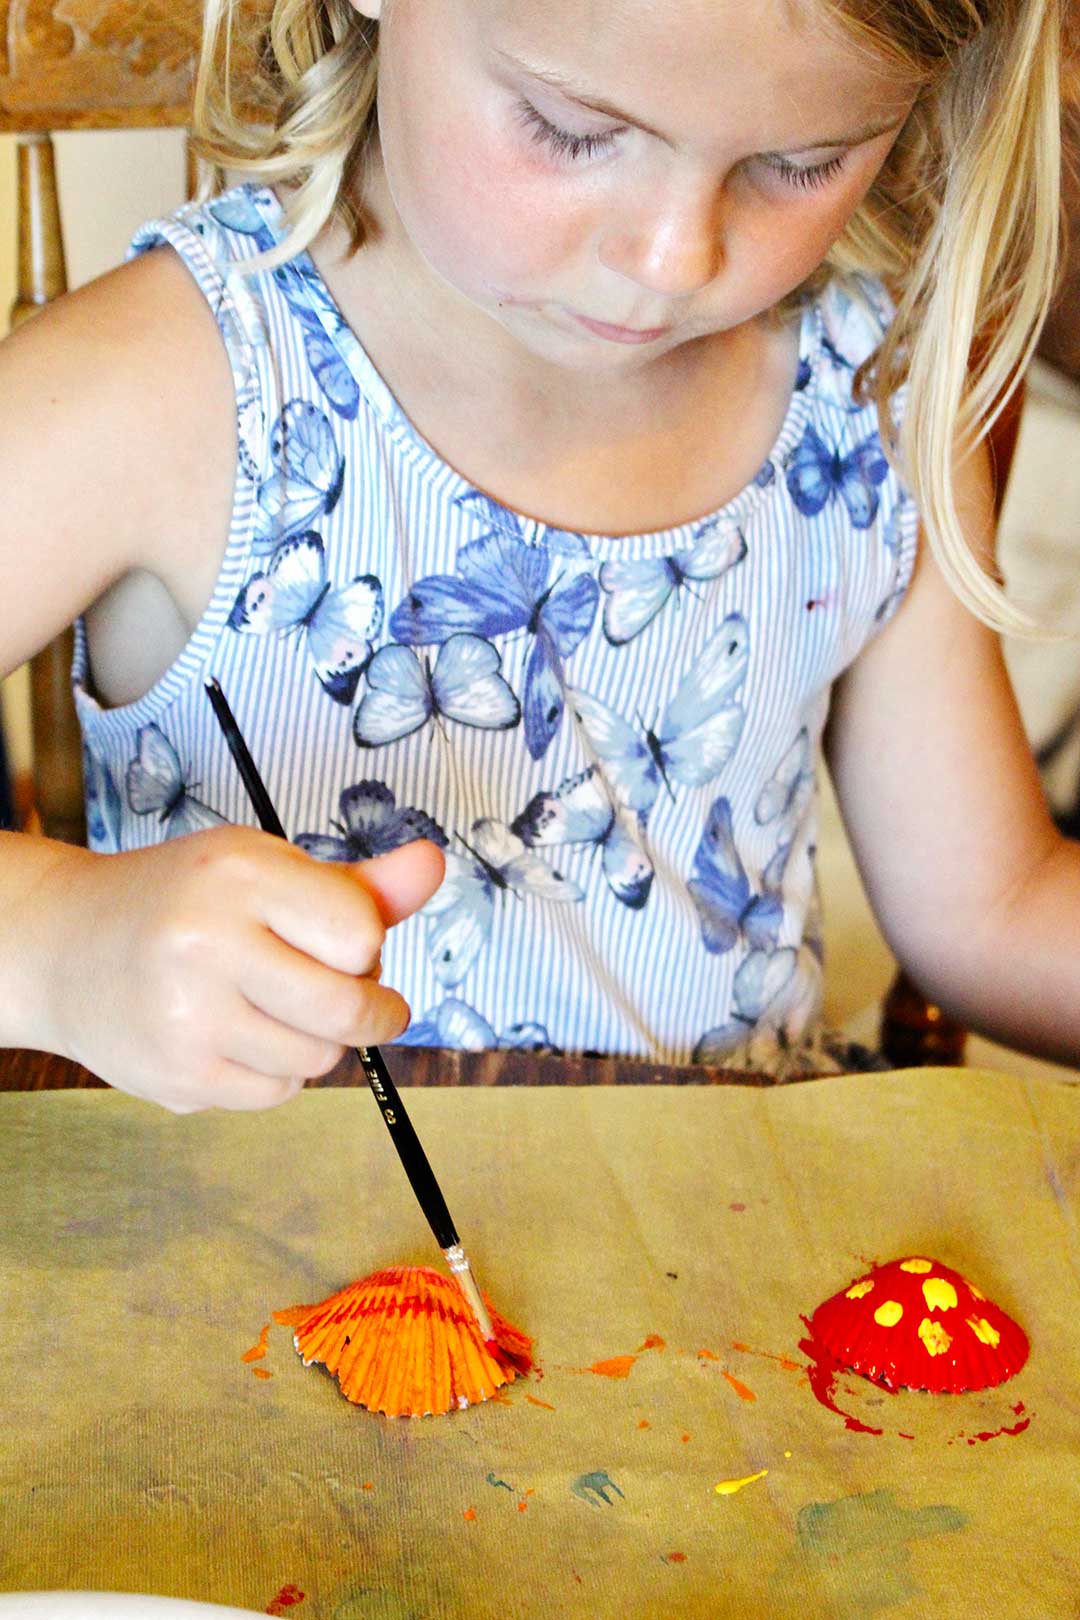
x=87 y=65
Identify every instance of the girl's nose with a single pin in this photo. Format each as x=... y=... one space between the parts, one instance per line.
x=676 y=248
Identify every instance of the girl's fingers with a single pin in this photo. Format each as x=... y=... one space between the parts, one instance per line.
x=334 y=1007
x=276 y=1049
x=234 y=1087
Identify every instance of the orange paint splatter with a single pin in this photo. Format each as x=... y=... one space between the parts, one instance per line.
x=285 y=1600
x=653 y=1342
x=709 y=1355
x=469 y=1513
x=522 y=1506
x=644 y=1424
x=533 y=1401
x=675 y=1558
x=768 y=1355
x=257 y=1351
x=685 y=1438
x=616 y=1367
x=262 y=1372
x=369 y=1485
x=743 y=1391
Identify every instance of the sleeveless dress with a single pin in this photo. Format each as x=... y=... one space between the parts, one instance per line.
x=614 y=740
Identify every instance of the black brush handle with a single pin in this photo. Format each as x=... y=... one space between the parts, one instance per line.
x=409 y=1147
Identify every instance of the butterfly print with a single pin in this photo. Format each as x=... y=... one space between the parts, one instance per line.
x=404 y=692
x=294 y=596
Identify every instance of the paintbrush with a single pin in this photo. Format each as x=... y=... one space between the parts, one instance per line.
x=409 y=1148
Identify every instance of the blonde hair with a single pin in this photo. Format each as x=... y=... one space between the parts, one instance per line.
x=962 y=223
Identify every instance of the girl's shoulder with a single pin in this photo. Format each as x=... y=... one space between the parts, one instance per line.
x=108 y=400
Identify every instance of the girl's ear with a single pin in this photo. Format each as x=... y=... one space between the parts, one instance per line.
x=367 y=8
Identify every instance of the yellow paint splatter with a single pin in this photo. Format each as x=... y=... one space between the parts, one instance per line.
x=939 y=1294
x=889 y=1314
x=920 y=1267
x=860 y=1289
x=728 y=1487
x=984 y=1332
x=934 y=1337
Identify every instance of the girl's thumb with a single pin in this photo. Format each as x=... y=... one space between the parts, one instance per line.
x=401 y=881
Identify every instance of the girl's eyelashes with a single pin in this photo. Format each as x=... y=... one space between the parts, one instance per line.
x=565 y=144
x=806 y=178
x=562 y=143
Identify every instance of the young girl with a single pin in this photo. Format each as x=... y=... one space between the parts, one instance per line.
x=540 y=452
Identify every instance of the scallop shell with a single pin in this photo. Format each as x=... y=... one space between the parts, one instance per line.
x=405 y=1342
x=916 y=1324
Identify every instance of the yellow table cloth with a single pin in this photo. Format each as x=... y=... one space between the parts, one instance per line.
x=141 y=1255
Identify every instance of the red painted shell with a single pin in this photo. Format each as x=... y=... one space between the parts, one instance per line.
x=916 y=1324
x=405 y=1342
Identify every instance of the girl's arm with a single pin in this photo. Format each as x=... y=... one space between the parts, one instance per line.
x=213 y=969
x=974 y=888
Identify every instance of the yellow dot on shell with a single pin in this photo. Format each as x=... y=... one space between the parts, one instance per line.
x=918 y=1266
x=984 y=1332
x=934 y=1337
x=889 y=1314
x=939 y=1294
x=977 y=1293
x=857 y=1290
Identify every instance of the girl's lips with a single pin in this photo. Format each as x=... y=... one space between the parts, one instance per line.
x=620 y=334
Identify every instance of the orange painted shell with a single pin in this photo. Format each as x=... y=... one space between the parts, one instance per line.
x=405 y=1342
x=916 y=1324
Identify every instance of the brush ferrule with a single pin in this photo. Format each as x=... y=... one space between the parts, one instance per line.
x=458 y=1261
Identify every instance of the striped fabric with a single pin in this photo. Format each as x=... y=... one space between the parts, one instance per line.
x=614 y=740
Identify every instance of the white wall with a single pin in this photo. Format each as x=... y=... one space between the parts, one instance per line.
x=109 y=183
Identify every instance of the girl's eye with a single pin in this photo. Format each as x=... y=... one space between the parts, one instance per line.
x=562 y=142
x=806 y=179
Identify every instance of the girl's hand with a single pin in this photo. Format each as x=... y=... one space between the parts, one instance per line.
x=222 y=969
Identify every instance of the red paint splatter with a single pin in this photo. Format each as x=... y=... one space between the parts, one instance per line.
x=257 y=1351
x=743 y=1391
x=533 y=1401
x=262 y=1372
x=286 y=1599
x=738 y=1208
x=469 y=1513
x=675 y=1558
x=992 y=1434
x=824 y=1371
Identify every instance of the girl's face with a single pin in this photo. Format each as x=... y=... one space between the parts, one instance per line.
x=608 y=179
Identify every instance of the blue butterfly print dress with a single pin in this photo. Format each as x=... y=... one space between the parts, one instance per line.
x=613 y=738
x=502 y=587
